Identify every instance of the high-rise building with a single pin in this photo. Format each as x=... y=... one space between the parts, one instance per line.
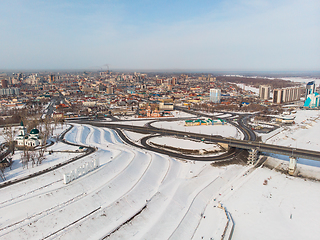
x=9 y=91
x=264 y=92
x=312 y=101
x=310 y=88
x=215 y=95
x=283 y=95
x=51 y=78
x=4 y=83
x=109 y=90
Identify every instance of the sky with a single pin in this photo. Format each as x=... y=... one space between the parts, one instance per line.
x=243 y=35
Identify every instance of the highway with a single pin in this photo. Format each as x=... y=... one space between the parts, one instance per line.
x=241 y=144
x=232 y=153
x=248 y=133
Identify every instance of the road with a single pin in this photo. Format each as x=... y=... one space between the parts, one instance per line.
x=241 y=124
x=243 y=144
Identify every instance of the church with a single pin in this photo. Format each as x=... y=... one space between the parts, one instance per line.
x=29 y=140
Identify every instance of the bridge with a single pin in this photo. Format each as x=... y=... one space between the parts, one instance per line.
x=235 y=143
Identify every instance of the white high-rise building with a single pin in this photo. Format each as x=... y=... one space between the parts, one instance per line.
x=310 y=88
x=283 y=95
x=264 y=92
x=215 y=95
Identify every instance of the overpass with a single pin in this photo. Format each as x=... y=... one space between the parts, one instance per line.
x=235 y=143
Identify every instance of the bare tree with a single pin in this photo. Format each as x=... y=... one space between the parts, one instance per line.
x=25 y=157
x=40 y=156
x=47 y=130
x=2 y=173
x=34 y=123
x=32 y=157
x=9 y=133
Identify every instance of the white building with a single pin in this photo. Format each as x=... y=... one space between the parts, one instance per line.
x=310 y=88
x=264 y=92
x=9 y=91
x=30 y=140
x=284 y=95
x=312 y=101
x=215 y=95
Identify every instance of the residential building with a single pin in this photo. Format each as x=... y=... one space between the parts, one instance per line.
x=215 y=95
x=264 y=92
x=284 y=95
x=9 y=91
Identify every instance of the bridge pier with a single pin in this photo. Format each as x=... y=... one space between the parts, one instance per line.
x=253 y=156
x=224 y=145
x=292 y=165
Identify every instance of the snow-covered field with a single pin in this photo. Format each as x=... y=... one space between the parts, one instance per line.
x=285 y=208
x=183 y=143
x=303 y=134
x=248 y=88
x=134 y=136
x=222 y=130
x=304 y=80
x=136 y=194
x=140 y=123
x=177 y=113
x=174 y=113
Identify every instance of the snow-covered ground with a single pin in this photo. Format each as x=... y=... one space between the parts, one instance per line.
x=177 y=113
x=303 y=134
x=222 y=130
x=140 y=123
x=304 y=80
x=58 y=156
x=285 y=208
x=134 y=136
x=174 y=113
x=136 y=194
x=248 y=88
x=183 y=143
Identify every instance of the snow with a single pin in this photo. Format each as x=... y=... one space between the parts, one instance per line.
x=183 y=143
x=285 y=208
x=162 y=197
x=248 y=88
x=225 y=130
x=303 y=134
x=177 y=113
x=133 y=123
x=224 y=116
x=303 y=79
x=61 y=153
x=134 y=136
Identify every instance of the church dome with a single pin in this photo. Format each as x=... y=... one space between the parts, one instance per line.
x=34 y=131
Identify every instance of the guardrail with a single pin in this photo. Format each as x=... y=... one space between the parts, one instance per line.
x=228 y=230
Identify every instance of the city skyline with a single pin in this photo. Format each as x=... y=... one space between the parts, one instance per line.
x=217 y=36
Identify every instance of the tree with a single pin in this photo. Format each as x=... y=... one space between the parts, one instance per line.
x=47 y=130
x=25 y=157
x=40 y=156
x=9 y=133
x=2 y=173
x=32 y=157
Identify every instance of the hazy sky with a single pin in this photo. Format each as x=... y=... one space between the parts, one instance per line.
x=154 y=34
